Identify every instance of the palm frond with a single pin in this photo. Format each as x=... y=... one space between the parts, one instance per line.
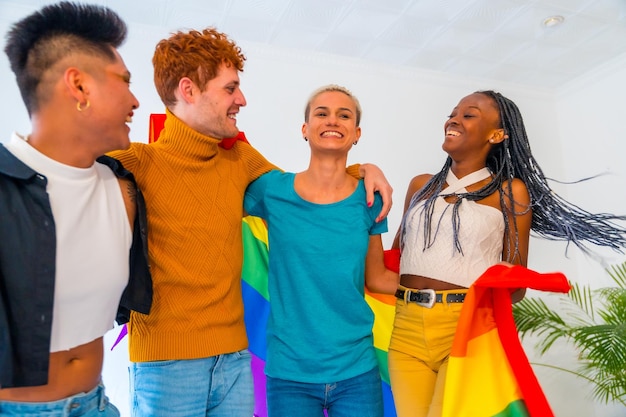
x=618 y=273
x=604 y=346
x=533 y=316
x=594 y=321
x=614 y=311
x=609 y=387
x=606 y=388
x=582 y=296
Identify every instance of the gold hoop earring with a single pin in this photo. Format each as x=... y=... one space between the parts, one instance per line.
x=79 y=106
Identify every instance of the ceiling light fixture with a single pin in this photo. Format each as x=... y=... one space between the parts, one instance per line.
x=553 y=21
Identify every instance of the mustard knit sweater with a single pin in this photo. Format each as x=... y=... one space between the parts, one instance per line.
x=194 y=193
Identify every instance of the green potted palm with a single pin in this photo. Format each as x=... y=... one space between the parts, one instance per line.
x=594 y=321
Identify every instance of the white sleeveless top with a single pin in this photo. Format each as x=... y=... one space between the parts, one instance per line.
x=93 y=237
x=481 y=233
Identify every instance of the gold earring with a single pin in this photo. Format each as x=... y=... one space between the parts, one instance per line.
x=79 y=106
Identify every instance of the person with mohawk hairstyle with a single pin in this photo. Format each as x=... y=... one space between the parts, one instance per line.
x=69 y=217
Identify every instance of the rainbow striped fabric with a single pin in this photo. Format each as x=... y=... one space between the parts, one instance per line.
x=256 y=297
x=488 y=372
x=256 y=302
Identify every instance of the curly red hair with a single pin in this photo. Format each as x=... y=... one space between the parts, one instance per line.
x=193 y=54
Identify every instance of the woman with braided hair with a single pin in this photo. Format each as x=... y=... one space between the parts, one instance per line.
x=476 y=212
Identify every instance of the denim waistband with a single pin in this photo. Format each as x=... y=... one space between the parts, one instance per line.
x=74 y=406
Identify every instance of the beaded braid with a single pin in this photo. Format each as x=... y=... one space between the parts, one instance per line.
x=553 y=217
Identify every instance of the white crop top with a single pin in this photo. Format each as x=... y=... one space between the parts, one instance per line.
x=93 y=237
x=481 y=233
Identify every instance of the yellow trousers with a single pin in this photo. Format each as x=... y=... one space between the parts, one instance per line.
x=420 y=345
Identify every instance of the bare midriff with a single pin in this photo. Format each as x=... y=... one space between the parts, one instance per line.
x=422 y=283
x=71 y=372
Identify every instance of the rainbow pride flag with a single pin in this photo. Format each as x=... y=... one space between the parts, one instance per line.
x=256 y=303
x=488 y=372
x=256 y=296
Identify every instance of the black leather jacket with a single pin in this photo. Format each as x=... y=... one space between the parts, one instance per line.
x=27 y=270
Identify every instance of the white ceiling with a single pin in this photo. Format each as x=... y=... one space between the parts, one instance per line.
x=502 y=40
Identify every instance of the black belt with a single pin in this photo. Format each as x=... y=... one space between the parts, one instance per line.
x=427 y=298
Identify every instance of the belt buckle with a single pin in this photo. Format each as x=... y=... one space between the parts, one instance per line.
x=431 y=298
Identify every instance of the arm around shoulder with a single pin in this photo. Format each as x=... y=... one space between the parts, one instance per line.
x=375 y=181
x=378 y=278
x=128 y=157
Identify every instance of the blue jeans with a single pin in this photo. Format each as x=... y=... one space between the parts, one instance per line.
x=218 y=386
x=359 y=396
x=88 y=404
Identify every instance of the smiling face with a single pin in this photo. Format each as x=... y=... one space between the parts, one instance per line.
x=218 y=105
x=111 y=106
x=332 y=122
x=473 y=126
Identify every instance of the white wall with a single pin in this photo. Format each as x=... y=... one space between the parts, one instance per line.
x=590 y=113
x=574 y=133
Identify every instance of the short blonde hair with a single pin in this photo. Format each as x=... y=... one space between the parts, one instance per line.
x=330 y=88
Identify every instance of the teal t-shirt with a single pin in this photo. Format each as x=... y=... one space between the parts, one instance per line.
x=320 y=326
